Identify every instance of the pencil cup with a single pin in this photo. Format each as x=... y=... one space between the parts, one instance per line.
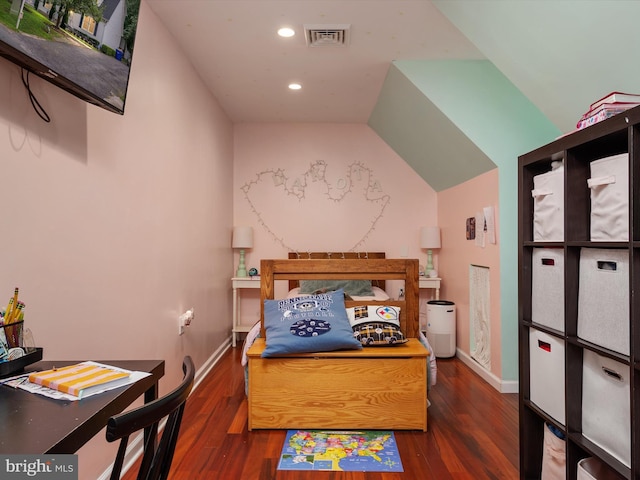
x=13 y=334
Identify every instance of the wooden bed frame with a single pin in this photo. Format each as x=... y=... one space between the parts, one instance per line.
x=381 y=388
x=377 y=282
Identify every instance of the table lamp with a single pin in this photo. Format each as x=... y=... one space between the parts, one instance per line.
x=242 y=238
x=429 y=239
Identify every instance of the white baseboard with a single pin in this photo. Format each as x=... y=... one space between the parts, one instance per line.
x=134 y=449
x=503 y=386
x=204 y=370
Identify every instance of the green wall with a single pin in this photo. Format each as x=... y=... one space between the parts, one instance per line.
x=487 y=109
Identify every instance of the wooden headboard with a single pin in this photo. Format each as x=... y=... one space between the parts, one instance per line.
x=336 y=256
x=404 y=269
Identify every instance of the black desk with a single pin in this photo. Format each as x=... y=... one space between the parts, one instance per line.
x=34 y=424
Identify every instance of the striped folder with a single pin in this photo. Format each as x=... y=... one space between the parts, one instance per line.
x=80 y=378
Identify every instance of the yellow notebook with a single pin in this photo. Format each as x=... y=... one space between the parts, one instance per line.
x=81 y=379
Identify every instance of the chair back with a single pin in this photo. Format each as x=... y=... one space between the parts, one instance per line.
x=156 y=462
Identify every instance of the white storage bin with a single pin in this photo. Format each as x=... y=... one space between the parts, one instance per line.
x=591 y=468
x=609 y=184
x=546 y=373
x=606 y=420
x=547 y=287
x=548 y=206
x=554 y=456
x=603 y=298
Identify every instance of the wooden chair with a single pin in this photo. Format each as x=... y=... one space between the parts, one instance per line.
x=155 y=463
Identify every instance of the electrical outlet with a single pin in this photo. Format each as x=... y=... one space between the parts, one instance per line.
x=184 y=320
x=189 y=316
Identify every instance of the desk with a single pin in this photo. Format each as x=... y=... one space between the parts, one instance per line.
x=239 y=283
x=33 y=424
x=426 y=282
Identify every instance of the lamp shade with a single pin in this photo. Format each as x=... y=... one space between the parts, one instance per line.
x=242 y=237
x=430 y=237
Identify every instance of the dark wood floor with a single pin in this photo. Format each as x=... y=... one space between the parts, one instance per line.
x=472 y=433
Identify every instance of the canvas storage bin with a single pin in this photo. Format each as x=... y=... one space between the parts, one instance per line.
x=548 y=206
x=606 y=420
x=609 y=184
x=546 y=373
x=603 y=298
x=554 y=455
x=591 y=468
x=547 y=287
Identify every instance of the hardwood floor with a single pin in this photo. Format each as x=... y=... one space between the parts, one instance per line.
x=472 y=433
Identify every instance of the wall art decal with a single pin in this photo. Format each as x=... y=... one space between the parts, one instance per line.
x=286 y=204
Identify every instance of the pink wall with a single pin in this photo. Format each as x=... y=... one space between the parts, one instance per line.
x=120 y=223
x=114 y=225
x=286 y=185
x=455 y=205
x=325 y=187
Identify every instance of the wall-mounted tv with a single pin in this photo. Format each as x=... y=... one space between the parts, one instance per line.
x=82 y=46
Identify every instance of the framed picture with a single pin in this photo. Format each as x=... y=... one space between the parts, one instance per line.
x=471 y=228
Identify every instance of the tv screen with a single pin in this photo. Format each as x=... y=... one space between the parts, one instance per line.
x=82 y=46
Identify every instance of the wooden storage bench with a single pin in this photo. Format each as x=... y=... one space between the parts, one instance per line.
x=381 y=388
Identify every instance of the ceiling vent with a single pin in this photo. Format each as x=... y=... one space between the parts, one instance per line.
x=327 y=35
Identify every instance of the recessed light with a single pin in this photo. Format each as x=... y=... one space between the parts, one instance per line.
x=286 y=32
x=295 y=86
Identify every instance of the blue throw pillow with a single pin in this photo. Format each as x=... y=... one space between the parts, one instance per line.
x=311 y=323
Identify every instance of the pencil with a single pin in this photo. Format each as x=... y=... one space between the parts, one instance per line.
x=15 y=296
x=8 y=312
x=17 y=312
x=15 y=305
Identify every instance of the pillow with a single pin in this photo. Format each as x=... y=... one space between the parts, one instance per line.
x=379 y=295
x=311 y=323
x=376 y=325
x=353 y=288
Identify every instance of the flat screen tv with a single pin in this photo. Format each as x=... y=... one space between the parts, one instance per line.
x=82 y=46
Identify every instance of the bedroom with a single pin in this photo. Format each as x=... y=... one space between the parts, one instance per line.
x=103 y=195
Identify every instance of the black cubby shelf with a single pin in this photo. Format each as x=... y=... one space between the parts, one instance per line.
x=604 y=269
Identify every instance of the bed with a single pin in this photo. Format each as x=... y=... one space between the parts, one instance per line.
x=371 y=387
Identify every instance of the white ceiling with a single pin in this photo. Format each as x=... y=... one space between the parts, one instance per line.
x=562 y=55
x=234 y=46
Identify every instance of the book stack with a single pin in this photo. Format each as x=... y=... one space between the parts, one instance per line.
x=608 y=106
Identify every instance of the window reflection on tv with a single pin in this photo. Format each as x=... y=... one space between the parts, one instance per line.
x=82 y=46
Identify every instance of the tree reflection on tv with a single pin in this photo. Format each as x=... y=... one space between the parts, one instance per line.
x=82 y=46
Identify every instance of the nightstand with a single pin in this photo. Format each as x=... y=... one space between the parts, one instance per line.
x=238 y=283
x=434 y=283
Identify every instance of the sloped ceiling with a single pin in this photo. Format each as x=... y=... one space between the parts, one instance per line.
x=559 y=55
x=562 y=55
x=422 y=135
x=453 y=120
x=556 y=57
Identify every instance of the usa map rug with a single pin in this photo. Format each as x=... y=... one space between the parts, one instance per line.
x=352 y=451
